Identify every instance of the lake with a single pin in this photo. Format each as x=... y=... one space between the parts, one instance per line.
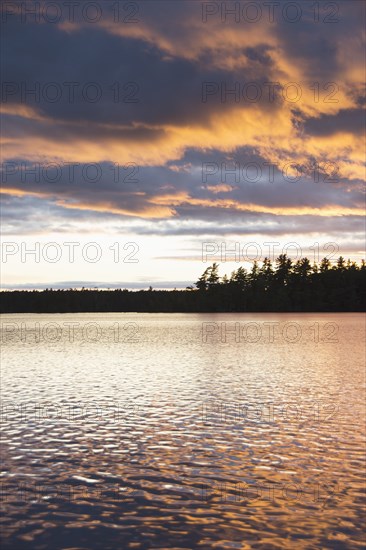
x=183 y=431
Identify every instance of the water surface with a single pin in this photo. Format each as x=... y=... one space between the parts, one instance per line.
x=152 y=431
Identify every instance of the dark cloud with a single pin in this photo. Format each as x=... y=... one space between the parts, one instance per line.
x=167 y=87
x=152 y=89
x=350 y=121
x=316 y=40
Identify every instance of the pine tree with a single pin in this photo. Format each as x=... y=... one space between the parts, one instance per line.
x=202 y=284
x=213 y=278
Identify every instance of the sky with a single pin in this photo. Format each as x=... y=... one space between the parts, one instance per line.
x=142 y=141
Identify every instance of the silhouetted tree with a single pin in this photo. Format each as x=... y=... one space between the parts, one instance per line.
x=202 y=284
x=325 y=265
x=283 y=269
x=213 y=277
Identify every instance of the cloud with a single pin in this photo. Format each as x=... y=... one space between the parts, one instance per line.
x=162 y=124
x=350 y=121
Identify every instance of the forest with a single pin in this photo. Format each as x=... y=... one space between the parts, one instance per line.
x=286 y=286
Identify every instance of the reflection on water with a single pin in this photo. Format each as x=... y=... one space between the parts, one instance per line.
x=182 y=431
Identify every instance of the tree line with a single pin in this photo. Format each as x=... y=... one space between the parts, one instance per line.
x=284 y=287
x=289 y=286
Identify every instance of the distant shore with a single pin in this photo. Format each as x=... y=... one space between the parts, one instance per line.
x=155 y=301
x=287 y=287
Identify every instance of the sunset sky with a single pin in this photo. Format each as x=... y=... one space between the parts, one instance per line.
x=170 y=124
